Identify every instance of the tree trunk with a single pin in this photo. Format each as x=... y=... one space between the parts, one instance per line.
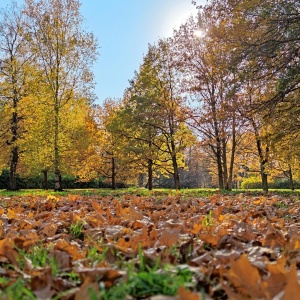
x=291 y=179
x=45 y=183
x=217 y=150
x=14 y=150
x=141 y=180
x=13 y=169
x=264 y=157
x=113 y=173
x=175 y=166
x=220 y=169
x=230 y=176
x=264 y=177
x=224 y=163
x=176 y=178
x=57 y=175
x=57 y=179
x=150 y=174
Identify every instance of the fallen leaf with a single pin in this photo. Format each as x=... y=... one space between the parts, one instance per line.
x=292 y=289
x=245 y=282
x=185 y=294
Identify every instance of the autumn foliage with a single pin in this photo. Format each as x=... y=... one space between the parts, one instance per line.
x=235 y=247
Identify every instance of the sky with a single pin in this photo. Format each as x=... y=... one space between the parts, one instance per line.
x=124 y=28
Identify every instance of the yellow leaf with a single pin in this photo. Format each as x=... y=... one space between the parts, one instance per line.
x=11 y=214
x=30 y=215
x=221 y=218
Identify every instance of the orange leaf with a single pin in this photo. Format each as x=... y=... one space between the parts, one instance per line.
x=196 y=228
x=137 y=225
x=185 y=294
x=278 y=276
x=7 y=249
x=30 y=215
x=97 y=207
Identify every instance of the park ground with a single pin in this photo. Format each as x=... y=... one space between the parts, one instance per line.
x=162 y=244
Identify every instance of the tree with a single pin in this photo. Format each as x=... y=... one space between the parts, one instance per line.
x=275 y=45
x=64 y=53
x=265 y=38
x=209 y=78
x=139 y=122
x=141 y=143
x=37 y=154
x=198 y=172
x=15 y=77
x=285 y=137
x=113 y=152
x=106 y=153
x=158 y=112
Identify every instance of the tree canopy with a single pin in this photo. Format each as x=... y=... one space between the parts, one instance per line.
x=225 y=100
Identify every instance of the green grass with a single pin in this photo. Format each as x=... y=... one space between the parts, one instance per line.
x=17 y=291
x=76 y=229
x=157 y=192
x=39 y=257
x=148 y=281
x=142 y=280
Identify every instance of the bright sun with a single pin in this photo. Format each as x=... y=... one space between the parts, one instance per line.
x=199 y=33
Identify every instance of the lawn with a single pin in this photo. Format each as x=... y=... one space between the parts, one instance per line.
x=136 y=244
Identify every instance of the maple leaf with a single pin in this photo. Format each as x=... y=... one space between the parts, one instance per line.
x=245 y=283
x=292 y=288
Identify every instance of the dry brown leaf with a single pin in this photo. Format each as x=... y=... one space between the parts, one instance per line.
x=62 y=258
x=273 y=238
x=73 y=250
x=7 y=249
x=106 y=275
x=41 y=284
x=292 y=289
x=155 y=225
x=168 y=238
x=84 y=291
x=277 y=278
x=48 y=229
x=244 y=277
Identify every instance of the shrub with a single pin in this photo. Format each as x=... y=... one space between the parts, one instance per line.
x=255 y=183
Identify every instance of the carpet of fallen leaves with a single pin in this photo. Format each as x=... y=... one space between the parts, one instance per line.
x=238 y=247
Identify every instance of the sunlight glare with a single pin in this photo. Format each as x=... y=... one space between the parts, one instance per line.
x=199 y=33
